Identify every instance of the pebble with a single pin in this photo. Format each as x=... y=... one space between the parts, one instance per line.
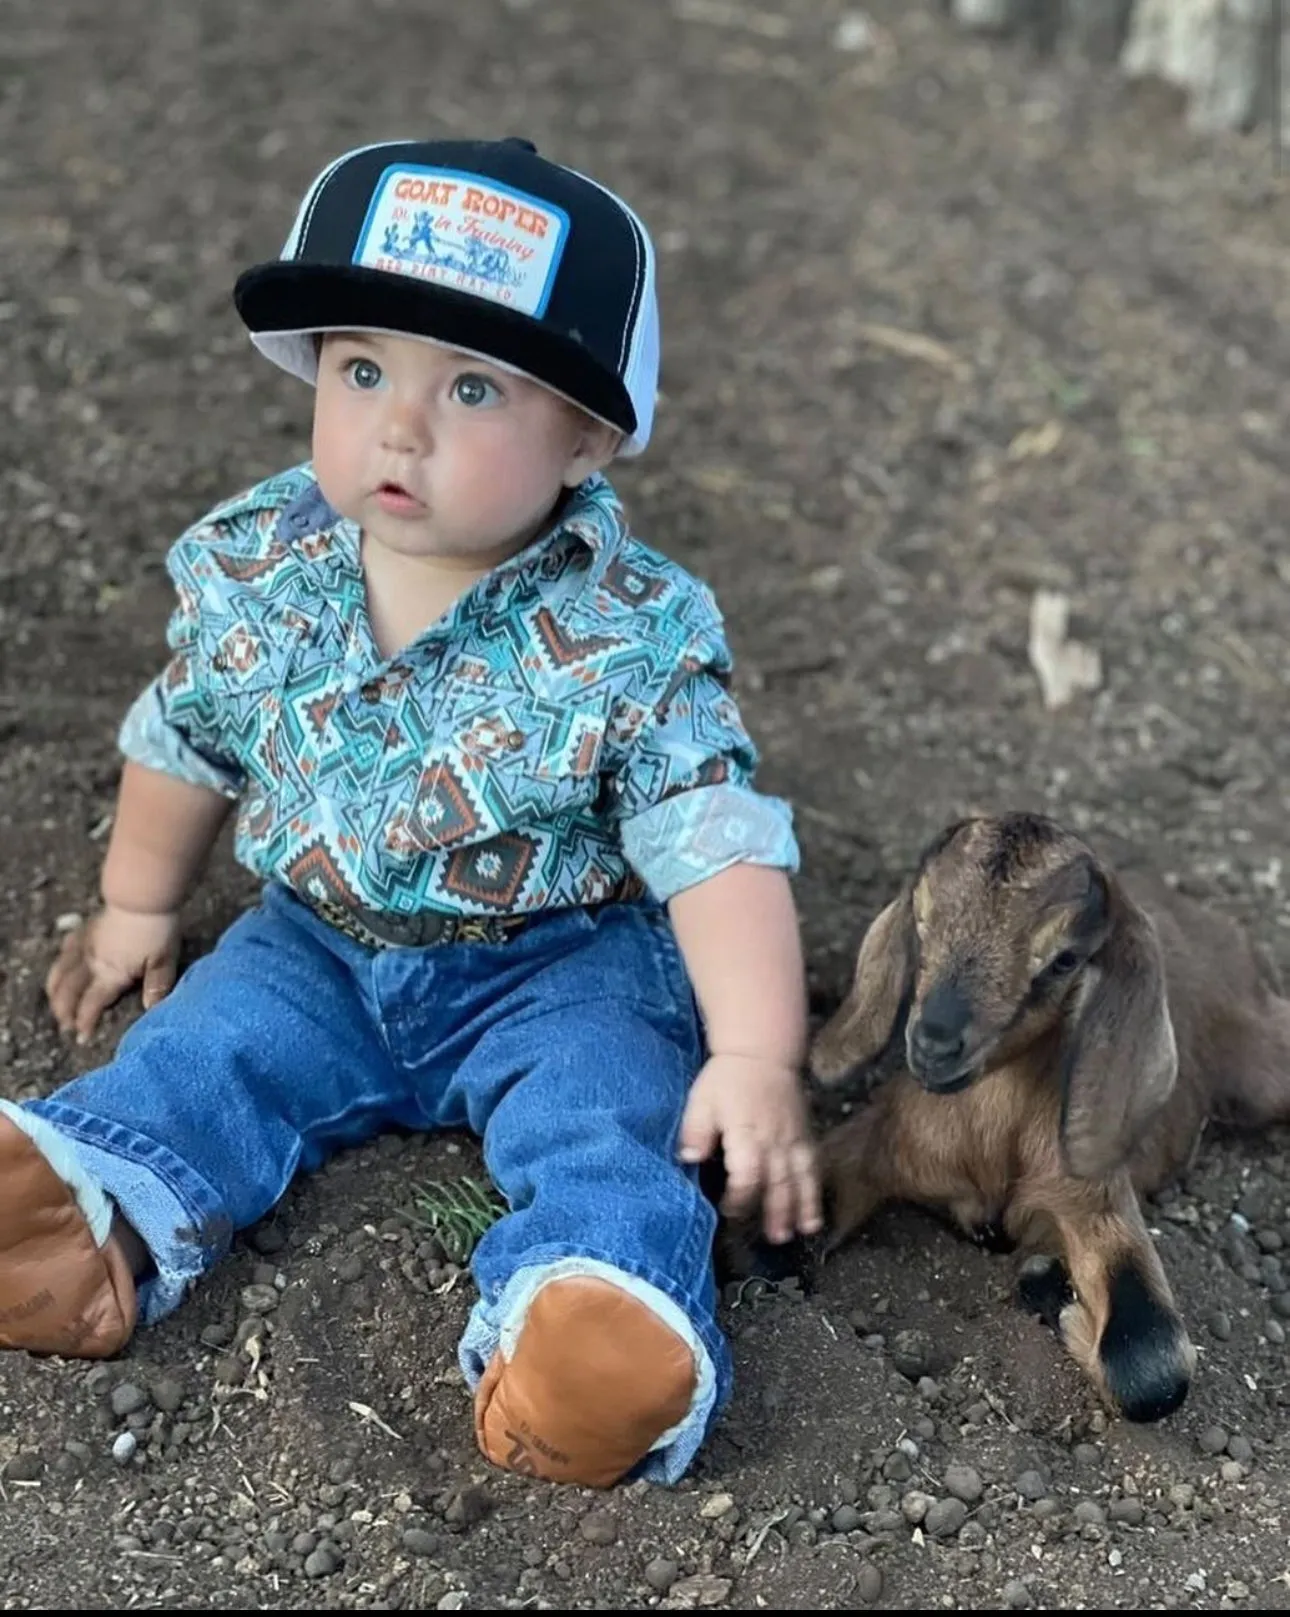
x=126 y=1399
x=964 y=1482
x=1130 y=1512
x=167 y=1394
x=1089 y=1511
x=25 y=1466
x=912 y=1353
x=661 y=1574
x=321 y=1563
x=452 y=1600
x=1087 y=1454
x=915 y=1505
x=218 y=1335
x=417 y=1541
x=928 y=1390
x=1240 y=1448
x=1032 y=1485
x=1213 y=1440
x=350 y=1268
x=1220 y=1326
x=1275 y=1332
x=869 y=1584
x=945 y=1517
x=123 y=1449
x=267 y=1239
x=468 y=1506
x=845 y=1519
x=1016 y=1596
x=896 y=1468
x=715 y=1506
x=598 y=1527
x=262 y=1299
x=1231 y=1471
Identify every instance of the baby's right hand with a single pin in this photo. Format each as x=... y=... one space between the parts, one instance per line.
x=111 y=952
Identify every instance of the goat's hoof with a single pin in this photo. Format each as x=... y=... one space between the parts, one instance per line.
x=993 y=1238
x=1044 y=1288
x=1145 y=1353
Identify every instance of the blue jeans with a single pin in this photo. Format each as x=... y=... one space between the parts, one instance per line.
x=570 y=1049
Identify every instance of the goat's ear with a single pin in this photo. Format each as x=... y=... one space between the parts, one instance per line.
x=873 y=1012
x=1119 y=1061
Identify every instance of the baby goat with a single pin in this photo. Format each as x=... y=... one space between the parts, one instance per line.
x=1066 y=1034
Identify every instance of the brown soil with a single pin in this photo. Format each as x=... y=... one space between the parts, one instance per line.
x=1096 y=399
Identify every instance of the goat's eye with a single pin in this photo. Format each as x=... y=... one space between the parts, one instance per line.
x=1061 y=965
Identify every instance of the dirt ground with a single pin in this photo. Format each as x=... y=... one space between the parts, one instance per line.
x=1090 y=393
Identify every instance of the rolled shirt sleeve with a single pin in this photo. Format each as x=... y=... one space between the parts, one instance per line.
x=173 y=726
x=686 y=805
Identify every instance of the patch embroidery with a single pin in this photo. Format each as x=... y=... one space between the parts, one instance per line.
x=439 y=225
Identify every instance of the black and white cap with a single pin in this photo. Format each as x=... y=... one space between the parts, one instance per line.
x=483 y=245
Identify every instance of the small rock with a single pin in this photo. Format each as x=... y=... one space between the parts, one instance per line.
x=854 y=33
x=1089 y=1512
x=167 y=1394
x=452 y=1600
x=126 y=1399
x=218 y=1335
x=661 y=1574
x=1129 y=1512
x=845 y=1519
x=1182 y=1495
x=417 y=1541
x=897 y=1468
x=1240 y=1448
x=928 y=1390
x=869 y=1584
x=715 y=1506
x=1213 y=1440
x=1016 y=1596
x=702 y=1589
x=1275 y=1332
x=1231 y=1471
x=350 y=1268
x=964 y=1482
x=945 y=1517
x=1220 y=1326
x=1087 y=1454
x=262 y=1299
x=267 y=1239
x=468 y=1506
x=1268 y=1240
x=25 y=1466
x=321 y=1563
x=912 y=1354
x=123 y=1449
x=1032 y=1485
x=915 y=1505
x=598 y=1527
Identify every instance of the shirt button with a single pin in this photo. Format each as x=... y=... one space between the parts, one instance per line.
x=371 y=692
x=515 y=740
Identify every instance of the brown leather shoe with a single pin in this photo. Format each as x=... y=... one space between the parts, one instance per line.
x=60 y=1292
x=595 y=1379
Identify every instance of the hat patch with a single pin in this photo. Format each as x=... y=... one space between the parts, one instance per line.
x=460 y=231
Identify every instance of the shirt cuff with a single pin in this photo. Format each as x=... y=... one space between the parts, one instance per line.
x=688 y=838
x=146 y=738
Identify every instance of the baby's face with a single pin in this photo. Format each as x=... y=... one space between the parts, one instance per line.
x=436 y=453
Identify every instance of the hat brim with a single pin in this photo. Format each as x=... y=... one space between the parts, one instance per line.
x=294 y=298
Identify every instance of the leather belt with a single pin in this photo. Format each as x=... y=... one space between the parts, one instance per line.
x=377 y=930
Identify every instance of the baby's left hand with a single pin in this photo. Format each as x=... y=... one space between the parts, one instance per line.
x=756 y=1108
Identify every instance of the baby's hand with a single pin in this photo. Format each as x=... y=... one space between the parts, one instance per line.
x=756 y=1109
x=111 y=952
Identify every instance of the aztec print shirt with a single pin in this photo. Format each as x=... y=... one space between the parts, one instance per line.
x=564 y=728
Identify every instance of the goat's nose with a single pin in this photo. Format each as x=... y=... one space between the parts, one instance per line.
x=942 y=1023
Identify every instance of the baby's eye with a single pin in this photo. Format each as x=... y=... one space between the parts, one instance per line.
x=475 y=391
x=364 y=374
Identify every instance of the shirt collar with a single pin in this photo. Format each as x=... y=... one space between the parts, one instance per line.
x=592 y=518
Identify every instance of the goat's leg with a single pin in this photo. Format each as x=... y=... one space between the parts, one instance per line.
x=1119 y=1322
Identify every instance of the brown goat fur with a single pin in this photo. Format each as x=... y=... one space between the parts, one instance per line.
x=1066 y=1032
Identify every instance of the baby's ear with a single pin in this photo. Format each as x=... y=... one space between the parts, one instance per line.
x=594 y=447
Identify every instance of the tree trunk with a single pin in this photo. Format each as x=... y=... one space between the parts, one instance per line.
x=1225 y=54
